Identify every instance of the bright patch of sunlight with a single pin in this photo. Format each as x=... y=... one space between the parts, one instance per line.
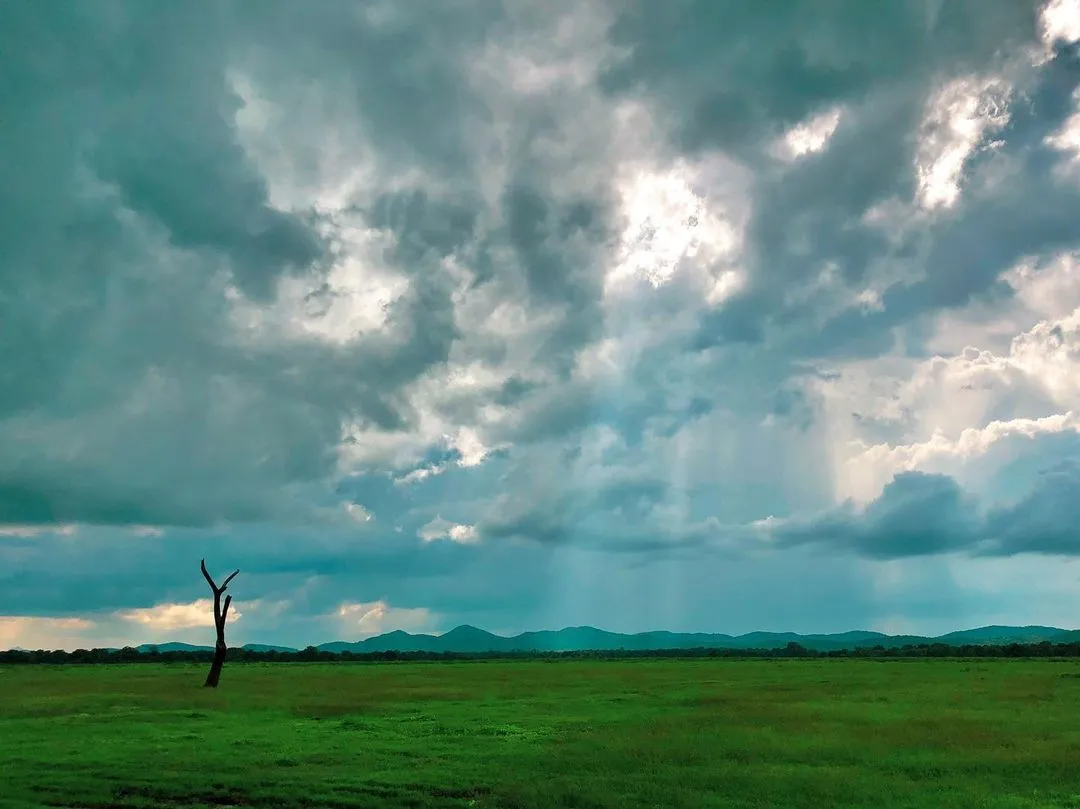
x=957 y=119
x=1067 y=137
x=36 y=632
x=377 y=617
x=1060 y=21
x=358 y=512
x=167 y=617
x=809 y=136
x=445 y=529
x=352 y=301
x=667 y=222
x=872 y=466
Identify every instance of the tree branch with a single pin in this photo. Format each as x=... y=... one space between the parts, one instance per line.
x=225 y=610
x=206 y=575
x=231 y=576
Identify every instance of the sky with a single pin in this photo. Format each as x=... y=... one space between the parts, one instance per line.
x=702 y=315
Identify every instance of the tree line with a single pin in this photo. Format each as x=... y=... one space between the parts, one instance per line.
x=312 y=654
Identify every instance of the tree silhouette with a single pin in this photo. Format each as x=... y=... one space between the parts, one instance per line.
x=221 y=612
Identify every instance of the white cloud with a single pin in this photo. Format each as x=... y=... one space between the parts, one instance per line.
x=808 y=137
x=190 y=622
x=358 y=512
x=445 y=529
x=867 y=472
x=669 y=222
x=29 y=632
x=1060 y=20
x=1050 y=353
x=349 y=303
x=1067 y=138
x=377 y=617
x=1050 y=289
x=943 y=414
x=958 y=117
x=13 y=530
x=169 y=617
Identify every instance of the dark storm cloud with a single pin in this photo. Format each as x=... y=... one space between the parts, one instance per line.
x=396 y=68
x=915 y=515
x=611 y=509
x=134 y=201
x=1045 y=520
x=920 y=514
x=1026 y=214
x=125 y=393
x=423 y=226
x=556 y=246
x=734 y=76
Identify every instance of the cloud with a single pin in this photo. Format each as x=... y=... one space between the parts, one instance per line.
x=958 y=117
x=1059 y=21
x=19 y=632
x=491 y=310
x=378 y=617
x=917 y=514
x=358 y=512
x=167 y=617
x=444 y=529
x=146 y=383
x=941 y=453
x=801 y=66
x=1044 y=520
x=810 y=136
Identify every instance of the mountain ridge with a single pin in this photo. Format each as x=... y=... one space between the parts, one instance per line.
x=466 y=638
x=470 y=639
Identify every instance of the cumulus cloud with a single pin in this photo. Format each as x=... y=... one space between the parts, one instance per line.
x=19 y=632
x=916 y=514
x=175 y=616
x=365 y=620
x=444 y=529
x=481 y=309
x=919 y=514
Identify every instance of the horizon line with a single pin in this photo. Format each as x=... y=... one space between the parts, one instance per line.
x=566 y=629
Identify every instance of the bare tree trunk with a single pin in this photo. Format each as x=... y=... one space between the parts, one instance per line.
x=214 y=674
x=221 y=612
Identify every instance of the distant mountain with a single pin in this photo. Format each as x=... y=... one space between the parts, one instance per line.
x=1006 y=634
x=581 y=638
x=173 y=647
x=188 y=647
x=396 y=641
x=470 y=639
x=266 y=647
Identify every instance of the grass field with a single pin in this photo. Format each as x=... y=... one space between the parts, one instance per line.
x=786 y=733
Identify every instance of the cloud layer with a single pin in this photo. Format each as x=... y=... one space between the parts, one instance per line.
x=680 y=315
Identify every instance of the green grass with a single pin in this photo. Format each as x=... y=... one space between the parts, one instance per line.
x=646 y=733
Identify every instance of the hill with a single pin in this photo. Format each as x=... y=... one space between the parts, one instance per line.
x=188 y=647
x=472 y=640
x=581 y=638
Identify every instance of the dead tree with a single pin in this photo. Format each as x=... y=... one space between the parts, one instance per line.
x=221 y=612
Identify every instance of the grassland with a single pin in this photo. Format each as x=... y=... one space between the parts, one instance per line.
x=787 y=733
